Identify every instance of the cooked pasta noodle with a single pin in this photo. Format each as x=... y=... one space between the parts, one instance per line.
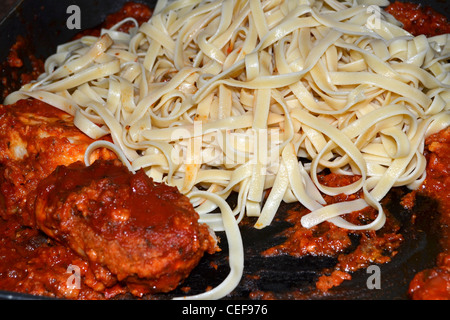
x=257 y=98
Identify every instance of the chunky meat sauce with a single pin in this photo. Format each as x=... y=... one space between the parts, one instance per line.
x=435 y=283
x=62 y=222
x=418 y=19
x=145 y=234
x=328 y=240
x=380 y=246
x=123 y=232
x=432 y=283
x=14 y=72
x=77 y=232
x=35 y=138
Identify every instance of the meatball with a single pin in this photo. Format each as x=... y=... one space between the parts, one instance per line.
x=147 y=234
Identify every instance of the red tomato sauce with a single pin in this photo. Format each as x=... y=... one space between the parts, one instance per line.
x=25 y=250
x=431 y=283
x=418 y=19
x=140 y=12
x=13 y=70
x=381 y=246
x=435 y=283
x=327 y=239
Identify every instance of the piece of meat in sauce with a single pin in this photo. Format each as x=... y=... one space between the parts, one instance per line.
x=145 y=233
x=35 y=138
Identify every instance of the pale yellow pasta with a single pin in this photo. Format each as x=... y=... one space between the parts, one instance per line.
x=257 y=98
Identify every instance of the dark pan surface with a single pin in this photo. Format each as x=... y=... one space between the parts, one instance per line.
x=283 y=275
x=44 y=24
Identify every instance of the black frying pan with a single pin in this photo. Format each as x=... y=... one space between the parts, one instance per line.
x=43 y=23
